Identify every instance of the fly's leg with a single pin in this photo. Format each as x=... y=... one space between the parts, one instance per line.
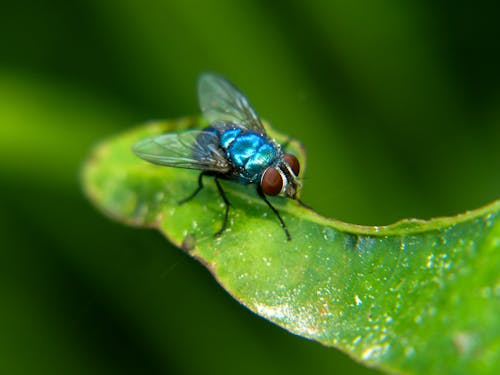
x=198 y=189
x=226 y=202
x=283 y=225
x=303 y=204
x=285 y=145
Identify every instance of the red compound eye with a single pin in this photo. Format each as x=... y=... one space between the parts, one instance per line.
x=272 y=181
x=292 y=161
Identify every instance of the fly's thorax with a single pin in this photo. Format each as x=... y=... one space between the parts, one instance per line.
x=250 y=153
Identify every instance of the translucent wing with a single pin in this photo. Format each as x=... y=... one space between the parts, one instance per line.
x=221 y=103
x=192 y=149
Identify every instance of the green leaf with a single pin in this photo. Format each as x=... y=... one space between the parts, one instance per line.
x=412 y=297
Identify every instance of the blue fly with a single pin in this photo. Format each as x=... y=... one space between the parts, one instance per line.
x=235 y=146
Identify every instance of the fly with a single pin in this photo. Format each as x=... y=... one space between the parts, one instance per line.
x=235 y=146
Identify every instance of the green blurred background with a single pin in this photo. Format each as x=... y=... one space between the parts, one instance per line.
x=398 y=104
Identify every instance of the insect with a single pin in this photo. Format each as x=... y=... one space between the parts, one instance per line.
x=235 y=146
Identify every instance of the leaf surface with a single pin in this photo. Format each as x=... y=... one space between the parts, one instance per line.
x=412 y=297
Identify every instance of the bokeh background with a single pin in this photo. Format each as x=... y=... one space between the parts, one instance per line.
x=398 y=104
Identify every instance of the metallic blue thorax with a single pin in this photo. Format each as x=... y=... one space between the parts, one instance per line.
x=250 y=153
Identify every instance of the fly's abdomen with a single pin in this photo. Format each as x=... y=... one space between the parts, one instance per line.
x=251 y=153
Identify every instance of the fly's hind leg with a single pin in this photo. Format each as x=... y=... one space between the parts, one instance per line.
x=221 y=192
x=276 y=212
x=226 y=202
x=198 y=189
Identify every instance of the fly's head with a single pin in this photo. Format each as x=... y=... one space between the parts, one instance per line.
x=281 y=178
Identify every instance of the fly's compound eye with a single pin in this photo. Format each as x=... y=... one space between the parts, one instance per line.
x=272 y=181
x=293 y=162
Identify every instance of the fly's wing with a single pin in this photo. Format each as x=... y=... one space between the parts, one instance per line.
x=192 y=149
x=222 y=104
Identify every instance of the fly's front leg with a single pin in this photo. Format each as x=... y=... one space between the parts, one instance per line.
x=286 y=144
x=283 y=225
x=303 y=204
